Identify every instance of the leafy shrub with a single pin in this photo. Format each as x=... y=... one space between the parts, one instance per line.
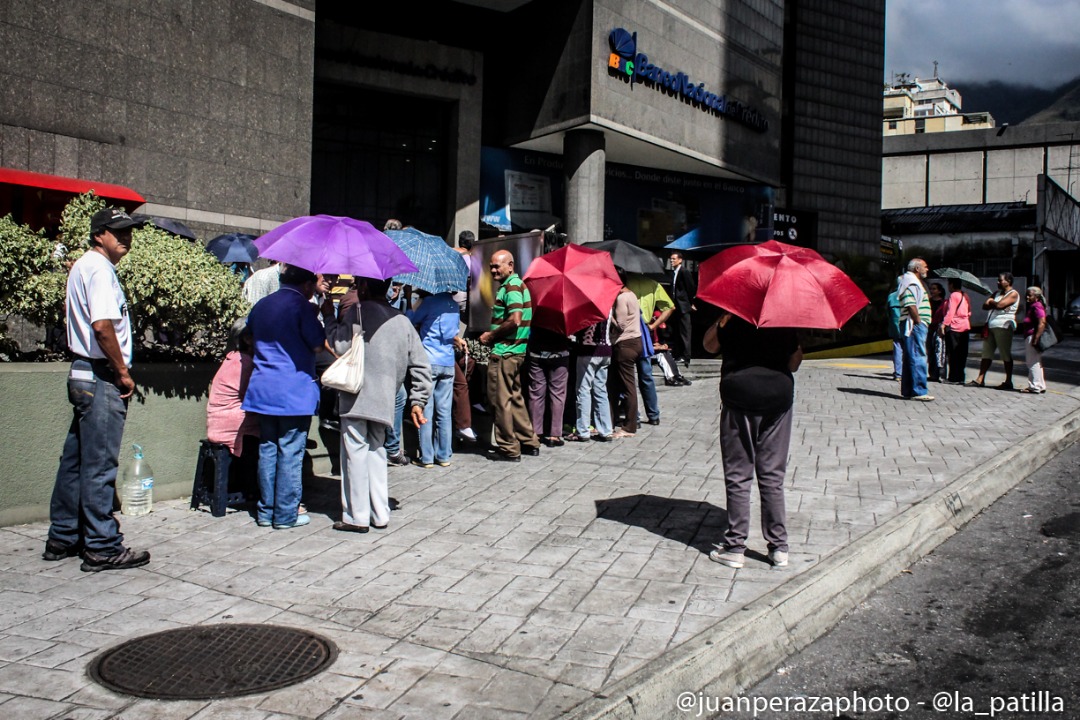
x=32 y=279
x=182 y=299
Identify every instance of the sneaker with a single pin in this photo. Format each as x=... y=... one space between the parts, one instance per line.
x=924 y=398
x=672 y=383
x=56 y=550
x=684 y=381
x=301 y=520
x=778 y=558
x=421 y=463
x=603 y=438
x=500 y=456
x=732 y=560
x=442 y=463
x=398 y=460
x=653 y=421
x=575 y=437
x=126 y=558
x=466 y=434
x=263 y=523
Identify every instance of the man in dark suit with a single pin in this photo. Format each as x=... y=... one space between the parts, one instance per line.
x=683 y=290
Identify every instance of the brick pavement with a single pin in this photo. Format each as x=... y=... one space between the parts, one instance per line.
x=502 y=591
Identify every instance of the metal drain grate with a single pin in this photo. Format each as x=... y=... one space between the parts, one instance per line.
x=212 y=661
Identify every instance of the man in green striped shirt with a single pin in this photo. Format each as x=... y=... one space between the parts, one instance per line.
x=511 y=319
x=913 y=327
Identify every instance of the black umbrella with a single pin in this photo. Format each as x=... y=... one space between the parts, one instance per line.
x=168 y=225
x=630 y=258
x=234 y=248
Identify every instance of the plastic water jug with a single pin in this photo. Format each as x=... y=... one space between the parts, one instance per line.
x=137 y=485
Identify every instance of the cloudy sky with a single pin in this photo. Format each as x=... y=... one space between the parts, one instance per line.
x=1032 y=42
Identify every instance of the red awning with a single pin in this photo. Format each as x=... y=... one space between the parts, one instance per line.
x=74 y=186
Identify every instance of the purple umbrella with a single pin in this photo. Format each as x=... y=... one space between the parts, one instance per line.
x=335 y=245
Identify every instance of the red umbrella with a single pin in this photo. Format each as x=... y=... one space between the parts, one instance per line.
x=778 y=285
x=572 y=288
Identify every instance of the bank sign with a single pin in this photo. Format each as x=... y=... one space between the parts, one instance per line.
x=627 y=63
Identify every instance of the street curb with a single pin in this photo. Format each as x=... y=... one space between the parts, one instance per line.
x=741 y=650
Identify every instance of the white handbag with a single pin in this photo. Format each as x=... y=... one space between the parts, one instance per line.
x=347 y=372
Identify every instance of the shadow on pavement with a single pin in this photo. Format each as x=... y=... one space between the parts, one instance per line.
x=862 y=391
x=696 y=524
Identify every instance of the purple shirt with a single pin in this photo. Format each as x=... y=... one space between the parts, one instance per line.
x=1035 y=313
x=286 y=331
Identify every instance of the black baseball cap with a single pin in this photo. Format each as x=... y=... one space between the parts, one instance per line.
x=112 y=219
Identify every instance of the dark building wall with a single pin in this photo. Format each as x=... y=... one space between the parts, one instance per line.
x=733 y=49
x=203 y=107
x=834 y=58
x=539 y=81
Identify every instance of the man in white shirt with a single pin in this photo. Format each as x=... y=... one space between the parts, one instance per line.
x=263 y=282
x=99 y=386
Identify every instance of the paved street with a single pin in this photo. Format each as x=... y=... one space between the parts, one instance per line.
x=576 y=582
x=987 y=621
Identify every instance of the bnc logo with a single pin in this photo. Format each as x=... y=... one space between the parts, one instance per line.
x=623 y=49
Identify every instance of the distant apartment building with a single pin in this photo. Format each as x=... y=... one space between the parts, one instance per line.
x=919 y=106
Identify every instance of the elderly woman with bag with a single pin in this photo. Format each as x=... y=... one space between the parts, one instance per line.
x=393 y=355
x=1034 y=327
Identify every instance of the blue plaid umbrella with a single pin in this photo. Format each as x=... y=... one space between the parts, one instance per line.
x=441 y=268
x=234 y=248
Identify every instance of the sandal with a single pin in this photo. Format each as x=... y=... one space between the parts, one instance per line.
x=1032 y=391
x=621 y=434
x=974 y=383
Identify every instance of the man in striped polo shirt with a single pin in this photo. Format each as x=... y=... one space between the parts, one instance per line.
x=913 y=327
x=511 y=318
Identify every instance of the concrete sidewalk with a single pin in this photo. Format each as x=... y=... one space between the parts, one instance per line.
x=576 y=583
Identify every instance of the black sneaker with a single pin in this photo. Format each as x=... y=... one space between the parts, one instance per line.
x=56 y=550
x=126 y=558
x=398 y=460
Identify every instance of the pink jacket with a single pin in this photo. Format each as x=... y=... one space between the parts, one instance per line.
x=958 y=314
x=226 y=422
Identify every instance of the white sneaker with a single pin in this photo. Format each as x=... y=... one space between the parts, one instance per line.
x=778 y=558
x=467 y=434
x=732 y=560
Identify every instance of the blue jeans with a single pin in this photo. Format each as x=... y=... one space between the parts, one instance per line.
x=593 y=407
x=393 y=433
x=897 y=358
x=82 y=498
x=915 y=365
x=648 y=387
x=436 y=435
x=283 y=440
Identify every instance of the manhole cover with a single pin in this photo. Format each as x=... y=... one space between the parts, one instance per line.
x=213 y=661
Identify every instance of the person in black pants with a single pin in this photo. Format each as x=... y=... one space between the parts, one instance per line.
x=955 y=327
x=683 y=290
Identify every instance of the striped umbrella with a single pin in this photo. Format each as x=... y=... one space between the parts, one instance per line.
x=440 y=268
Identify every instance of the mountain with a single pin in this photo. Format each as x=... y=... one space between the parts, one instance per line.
x=1013 y=104
x=1065 y=109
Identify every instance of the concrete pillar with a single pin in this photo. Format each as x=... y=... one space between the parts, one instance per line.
x=584 y=159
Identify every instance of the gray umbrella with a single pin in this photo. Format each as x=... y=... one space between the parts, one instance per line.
x=966 y=279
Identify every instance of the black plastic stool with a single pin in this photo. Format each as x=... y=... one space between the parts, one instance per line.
x=211 y=485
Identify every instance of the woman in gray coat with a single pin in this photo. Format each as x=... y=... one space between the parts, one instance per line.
x=392 y=354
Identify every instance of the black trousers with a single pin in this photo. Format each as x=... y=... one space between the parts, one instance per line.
x=682 y=336
x=956 y=349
